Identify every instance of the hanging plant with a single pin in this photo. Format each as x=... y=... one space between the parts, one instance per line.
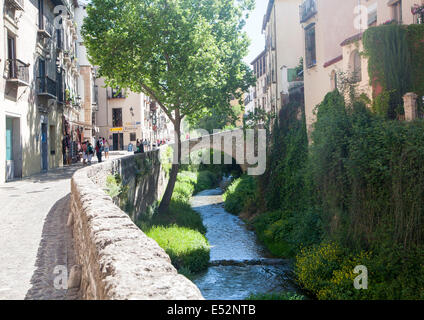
x=418 y=11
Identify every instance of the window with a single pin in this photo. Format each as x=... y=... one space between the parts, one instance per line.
x=11 y=56
x=117 y=93
x=40 y=14
x=372 y=15
x=41 y=68
x=355 y=66
x=260 y=69
x=117 y=117
x=11 y=47
x=396 y=10
x=52 y=142
x=310 y=46
x=133 y=137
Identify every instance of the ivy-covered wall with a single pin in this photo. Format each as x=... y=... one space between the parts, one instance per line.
x=353 y=197
x=395 y=63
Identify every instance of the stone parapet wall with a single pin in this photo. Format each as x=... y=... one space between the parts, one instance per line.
x=117 y=260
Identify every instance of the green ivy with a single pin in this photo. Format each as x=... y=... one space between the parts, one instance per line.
x=395 y=61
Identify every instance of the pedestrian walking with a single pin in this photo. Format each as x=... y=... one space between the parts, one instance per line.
x=99 y=151
x=137 y=146
x=90 y=152
x=84 y=152
x=107 y=148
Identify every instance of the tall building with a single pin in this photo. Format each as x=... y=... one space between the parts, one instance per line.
x=123 y=117
x=283 y=50
x=260 y=96
x=332 y=36
x=87 y=86
x=38 y=87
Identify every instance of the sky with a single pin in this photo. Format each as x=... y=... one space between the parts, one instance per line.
x=254 y=30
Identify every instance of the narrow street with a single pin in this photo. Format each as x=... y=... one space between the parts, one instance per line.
x=34 y=236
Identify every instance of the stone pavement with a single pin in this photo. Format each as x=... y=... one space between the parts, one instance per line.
x=34 y=238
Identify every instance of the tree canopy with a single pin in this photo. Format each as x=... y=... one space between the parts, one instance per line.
x=185 y=54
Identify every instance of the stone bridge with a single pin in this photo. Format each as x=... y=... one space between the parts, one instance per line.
x=247 y=148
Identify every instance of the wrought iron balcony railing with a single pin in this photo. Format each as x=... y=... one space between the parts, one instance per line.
x=307 y=10
x=16 y=4
x=45 y=27
x=17 y=72
x=47 y=87
x=116 y=94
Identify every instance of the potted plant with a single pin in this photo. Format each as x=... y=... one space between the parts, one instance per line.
x=68 y=97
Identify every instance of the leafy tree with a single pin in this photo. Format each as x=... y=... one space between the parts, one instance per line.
x=225 y=121
x=185 y=54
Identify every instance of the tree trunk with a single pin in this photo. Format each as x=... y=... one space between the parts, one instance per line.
x=166 y=199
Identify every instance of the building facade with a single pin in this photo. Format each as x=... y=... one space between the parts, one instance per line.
x=283 y=50
x=123 y=117
x=37 y=84
x=87 y=87
x=260 y=97
x=332 y=37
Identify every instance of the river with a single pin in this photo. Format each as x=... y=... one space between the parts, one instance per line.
x=240 y=265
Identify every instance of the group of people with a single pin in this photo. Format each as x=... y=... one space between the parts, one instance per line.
x=101 y=145
x=145 y=145
x=141 y=146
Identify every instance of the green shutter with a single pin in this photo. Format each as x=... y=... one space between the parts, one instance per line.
x=9 y=135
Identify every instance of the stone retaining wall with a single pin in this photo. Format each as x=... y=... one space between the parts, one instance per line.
x=117 y=260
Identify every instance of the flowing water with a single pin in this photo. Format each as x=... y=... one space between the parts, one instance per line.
x=240 y=265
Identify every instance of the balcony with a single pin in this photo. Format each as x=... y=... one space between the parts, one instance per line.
x=16 y=4
x=307 y=10
x=17 y=72
x=47 y=87
x=45 y=27
x=116 y=94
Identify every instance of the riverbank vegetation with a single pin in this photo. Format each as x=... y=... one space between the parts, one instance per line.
x=180 y=230
x=240 y=194
x=353 y=197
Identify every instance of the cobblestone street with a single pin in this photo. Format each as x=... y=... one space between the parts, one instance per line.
x=34 y=236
